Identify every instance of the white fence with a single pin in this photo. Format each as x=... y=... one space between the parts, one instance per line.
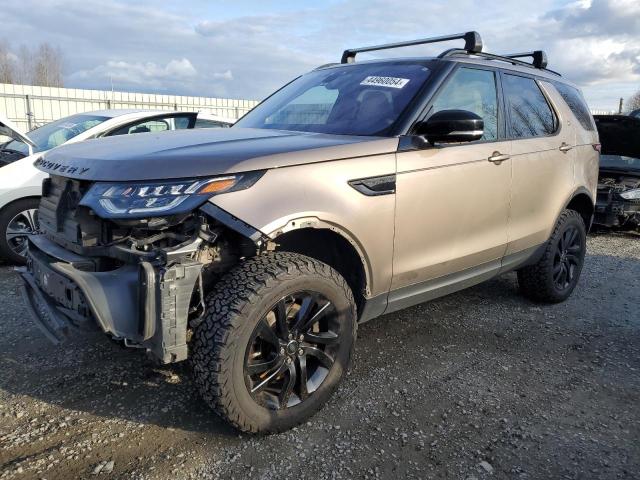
x=30 y=106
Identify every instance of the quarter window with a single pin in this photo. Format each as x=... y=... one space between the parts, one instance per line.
x=575 y=101
x=475 y=91
x=529 y=113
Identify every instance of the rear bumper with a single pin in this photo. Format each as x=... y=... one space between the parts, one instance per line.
x=144 y=304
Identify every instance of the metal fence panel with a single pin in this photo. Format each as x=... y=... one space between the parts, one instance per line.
x=31 y=106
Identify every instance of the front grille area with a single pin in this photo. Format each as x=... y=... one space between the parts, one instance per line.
x=62 y=219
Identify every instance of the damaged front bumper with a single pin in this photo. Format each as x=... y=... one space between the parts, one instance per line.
x=611 y=210
x=145 y=303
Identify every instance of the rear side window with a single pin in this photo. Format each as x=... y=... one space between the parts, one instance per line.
x=574 y=100
x=529 y=114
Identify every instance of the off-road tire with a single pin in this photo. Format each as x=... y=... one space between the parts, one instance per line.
x=536 y=281
x=239 y=301
x=6 y=215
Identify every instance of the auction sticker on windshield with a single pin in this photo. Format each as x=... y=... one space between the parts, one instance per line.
x=392 y=82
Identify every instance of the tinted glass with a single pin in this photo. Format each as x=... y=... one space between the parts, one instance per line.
x=200 y=123
x=359 y=99
x=574 y=100
x=529 y=113
x=475 y=91
x=153 y=125
x=56 y=133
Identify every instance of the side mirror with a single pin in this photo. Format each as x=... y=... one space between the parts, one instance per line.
x=450 y=126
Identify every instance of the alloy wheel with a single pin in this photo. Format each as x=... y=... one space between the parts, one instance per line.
x=291 y=350
x=20 y=227
x=567 y=259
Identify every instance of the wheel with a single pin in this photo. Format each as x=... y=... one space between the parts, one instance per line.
x=18 y=220
x=275 y=341
x=556 y=274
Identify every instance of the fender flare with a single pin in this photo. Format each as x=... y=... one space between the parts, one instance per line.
x=304 y=222
x=579 y=191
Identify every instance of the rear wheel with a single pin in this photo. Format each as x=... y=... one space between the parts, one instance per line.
x=276 y=340
x=556 y=274
x=18 y=221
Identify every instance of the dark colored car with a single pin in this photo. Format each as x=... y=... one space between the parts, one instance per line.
x=618 y=200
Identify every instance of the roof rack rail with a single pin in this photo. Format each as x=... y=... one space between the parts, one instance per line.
x=472 y=44
x=539 y=57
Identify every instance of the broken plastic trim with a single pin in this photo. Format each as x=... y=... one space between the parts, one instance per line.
x=234 y=223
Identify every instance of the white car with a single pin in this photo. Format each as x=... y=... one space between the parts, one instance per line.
x=21 y=182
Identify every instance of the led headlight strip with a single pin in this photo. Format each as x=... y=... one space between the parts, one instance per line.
x=148 y=199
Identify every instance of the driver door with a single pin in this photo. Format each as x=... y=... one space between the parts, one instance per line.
x=452 y=201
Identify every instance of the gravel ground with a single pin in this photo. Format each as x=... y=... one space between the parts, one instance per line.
x=479 y=384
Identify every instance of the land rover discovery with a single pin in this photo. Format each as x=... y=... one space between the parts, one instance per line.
x=358 y=189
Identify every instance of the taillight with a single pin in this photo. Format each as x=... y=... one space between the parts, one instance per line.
x=597 y=147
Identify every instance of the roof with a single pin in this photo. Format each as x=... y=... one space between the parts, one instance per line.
x=461 y=58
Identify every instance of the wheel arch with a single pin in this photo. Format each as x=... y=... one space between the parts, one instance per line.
x=331 y=245
x=582 y=202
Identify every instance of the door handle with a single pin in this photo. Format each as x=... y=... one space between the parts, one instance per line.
x=498 y=158
x=565 y=147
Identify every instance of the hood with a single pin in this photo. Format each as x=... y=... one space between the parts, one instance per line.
x=619 y=135
x=9 y=129
x=200 y=153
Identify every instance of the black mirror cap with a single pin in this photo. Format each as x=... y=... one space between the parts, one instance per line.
x=451 y=126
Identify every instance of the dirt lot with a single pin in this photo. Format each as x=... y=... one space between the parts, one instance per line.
x=480 y=384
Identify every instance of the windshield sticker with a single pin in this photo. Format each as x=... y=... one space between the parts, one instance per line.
x=391 y=82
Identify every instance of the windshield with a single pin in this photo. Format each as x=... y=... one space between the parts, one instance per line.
x=620 y=162
x=360 y=99
x=56 y=133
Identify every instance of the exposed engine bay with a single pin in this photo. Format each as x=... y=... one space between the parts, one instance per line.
x=612 y=208
x=158 y=268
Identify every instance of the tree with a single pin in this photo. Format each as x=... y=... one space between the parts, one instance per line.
x=47 y=66
x=42 y=66
x=7 y=71
x=633 y=102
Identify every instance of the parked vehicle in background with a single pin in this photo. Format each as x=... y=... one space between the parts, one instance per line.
x=618 y=201
x=357 y=189
x=21 y=182
x=635 y=113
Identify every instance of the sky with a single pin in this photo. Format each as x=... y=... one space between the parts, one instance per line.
x=247 y=49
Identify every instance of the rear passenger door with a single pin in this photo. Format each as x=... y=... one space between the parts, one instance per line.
x=452 y=201
x=542 y=155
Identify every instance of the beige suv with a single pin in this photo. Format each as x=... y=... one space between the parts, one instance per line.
x=356 y=190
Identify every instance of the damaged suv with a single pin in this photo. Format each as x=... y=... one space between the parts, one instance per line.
x=358 y=189
x=618 y=200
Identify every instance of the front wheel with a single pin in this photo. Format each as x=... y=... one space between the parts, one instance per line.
x=276 y=340
x=18 y=221
x=556 y=274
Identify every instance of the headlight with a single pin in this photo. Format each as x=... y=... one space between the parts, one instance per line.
x=151 y=199
x=631 y=194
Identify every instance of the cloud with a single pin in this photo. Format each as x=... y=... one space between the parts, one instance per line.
x=240 y=51
x=148 y=74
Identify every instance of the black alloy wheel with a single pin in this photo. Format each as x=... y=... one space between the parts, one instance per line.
x=568 y=258
x=291 y=350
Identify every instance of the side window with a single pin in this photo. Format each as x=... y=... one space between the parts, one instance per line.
x=145 y=126
x=473 y=90
x=529 y=113
x=575 y=101
x=204 y=123
x=181 y=123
